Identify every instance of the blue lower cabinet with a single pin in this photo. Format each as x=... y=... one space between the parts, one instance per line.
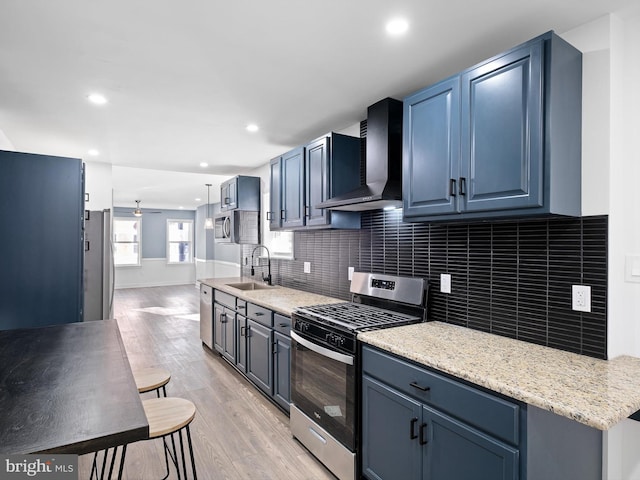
x=259 y=358
x=390 y=426
x=453 y=450
x=406 y=434
x=282 y=370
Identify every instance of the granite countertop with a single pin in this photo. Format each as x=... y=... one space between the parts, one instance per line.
x=279 y=299
x=597 y=393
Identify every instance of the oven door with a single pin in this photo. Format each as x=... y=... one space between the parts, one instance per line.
x=323 y=387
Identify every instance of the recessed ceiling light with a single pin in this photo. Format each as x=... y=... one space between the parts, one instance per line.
x=204 y=164
x=93 y=152
x=397 y=26
x=97 y=99
x=252 y=127
x=181 y=207
x=197 y=199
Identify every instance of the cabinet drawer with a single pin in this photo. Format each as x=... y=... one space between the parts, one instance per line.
x=281 y=324
x=260 y=314
x=492 y=414
x=225 y=299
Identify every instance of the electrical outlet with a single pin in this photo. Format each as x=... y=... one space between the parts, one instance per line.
x=307 y=267
x=246 y=260
x=445 y=283
x=581 y=298
x=350 y=270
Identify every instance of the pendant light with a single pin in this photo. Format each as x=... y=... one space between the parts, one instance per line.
x=208 y=223
x=137 y=212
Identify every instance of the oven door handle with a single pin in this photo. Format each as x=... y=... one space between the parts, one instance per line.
x=325 y=352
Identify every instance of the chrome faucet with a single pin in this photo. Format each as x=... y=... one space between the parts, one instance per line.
x=264 y=278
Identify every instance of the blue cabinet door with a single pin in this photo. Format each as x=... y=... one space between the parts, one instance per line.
x=317 y=181
x=454 y=450
x=282 y=369
x=502 y=132
x=259 y=358
x=390 y=430
x=241 y=335
x=275 y=195
x=431 y=149
x=292 y=189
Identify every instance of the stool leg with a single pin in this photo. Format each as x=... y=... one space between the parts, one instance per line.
x=193 y=462
x=165 y=447
x=184 y=464
x=164 y=390
x=124 y=452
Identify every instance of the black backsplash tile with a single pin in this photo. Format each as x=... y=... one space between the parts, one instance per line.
x=510 y=278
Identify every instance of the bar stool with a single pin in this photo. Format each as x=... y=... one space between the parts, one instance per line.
x=167 y=416
x=149 y=379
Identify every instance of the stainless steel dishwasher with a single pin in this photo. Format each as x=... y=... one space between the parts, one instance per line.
x=206 y=315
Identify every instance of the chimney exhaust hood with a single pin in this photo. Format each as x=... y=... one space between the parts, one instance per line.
x=383 y=164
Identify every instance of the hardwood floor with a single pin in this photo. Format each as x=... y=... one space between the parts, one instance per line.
x=237 y=433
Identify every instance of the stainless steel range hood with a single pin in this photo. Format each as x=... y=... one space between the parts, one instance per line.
x=383 y=163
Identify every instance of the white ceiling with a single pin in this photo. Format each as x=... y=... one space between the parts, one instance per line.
x=184 y=78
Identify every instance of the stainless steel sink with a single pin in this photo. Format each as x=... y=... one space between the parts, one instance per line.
x=250 y=286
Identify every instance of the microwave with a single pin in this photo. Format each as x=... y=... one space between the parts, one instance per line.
x=237 y=226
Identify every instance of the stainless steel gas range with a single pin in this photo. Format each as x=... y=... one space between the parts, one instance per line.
x=325 y=364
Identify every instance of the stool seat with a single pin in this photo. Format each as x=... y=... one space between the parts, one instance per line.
x=168 y=415
x=149 y=379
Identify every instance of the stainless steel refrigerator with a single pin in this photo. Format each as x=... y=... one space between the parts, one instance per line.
x=98 y=265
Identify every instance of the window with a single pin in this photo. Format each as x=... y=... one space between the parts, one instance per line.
x=126 y=241
x=179 y=241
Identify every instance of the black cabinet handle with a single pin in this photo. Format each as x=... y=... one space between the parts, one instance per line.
x=227 y=201
x=259 y=314
x=282 y=325
x=307 y=211
x=243 y=331
x=223 y=318
x=420 y=387
x=463 y=186
x=241 y=307
x=269 y=215
x=282 y=215
x=412 y=431
x=423 y=429
x=452 y=187
x=275 y=348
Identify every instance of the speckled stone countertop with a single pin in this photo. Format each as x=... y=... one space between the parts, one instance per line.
x=597 y=393
x=279 y=299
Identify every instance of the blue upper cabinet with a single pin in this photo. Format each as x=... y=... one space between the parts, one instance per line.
x=501 y=156
x=307 y=176
x=431 y=149
x=332 y=167
x=287 y=190
x=500 y=139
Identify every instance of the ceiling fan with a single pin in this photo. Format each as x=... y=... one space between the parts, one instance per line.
x=138 y=211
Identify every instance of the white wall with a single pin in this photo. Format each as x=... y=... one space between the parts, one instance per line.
x=5 y=143
x=155 y=272
x=99 y=185
x=611 y=168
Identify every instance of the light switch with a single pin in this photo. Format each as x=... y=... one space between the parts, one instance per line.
x=351 y=269
x=307 y=267
x=632 y=268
